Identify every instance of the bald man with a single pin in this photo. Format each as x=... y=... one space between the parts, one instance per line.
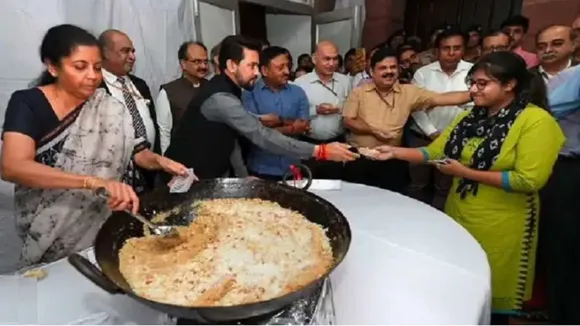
x=554 y=49
x=118 y=61
x=327 y=91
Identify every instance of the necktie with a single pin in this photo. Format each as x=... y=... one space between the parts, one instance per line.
x=140 y=131
x=132 y=176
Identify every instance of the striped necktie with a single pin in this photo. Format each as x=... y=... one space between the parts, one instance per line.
x=140 y=131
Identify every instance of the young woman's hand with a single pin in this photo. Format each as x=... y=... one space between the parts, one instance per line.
x=453 y=168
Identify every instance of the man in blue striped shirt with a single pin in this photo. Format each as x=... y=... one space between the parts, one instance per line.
x=560 y=209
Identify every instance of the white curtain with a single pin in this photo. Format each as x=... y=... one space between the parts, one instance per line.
x=156 y=27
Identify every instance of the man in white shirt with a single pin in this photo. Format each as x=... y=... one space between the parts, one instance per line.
x=555 y=48
x=174 y=96
x=133 y=92
x=326 y=91
x=446 y=74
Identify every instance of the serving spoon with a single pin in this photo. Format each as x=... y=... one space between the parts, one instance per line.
x=160 y=230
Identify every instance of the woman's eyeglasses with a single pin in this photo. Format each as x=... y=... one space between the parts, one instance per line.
x=479 y=83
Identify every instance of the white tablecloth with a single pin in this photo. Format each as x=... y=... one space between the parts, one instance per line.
x=407 y=264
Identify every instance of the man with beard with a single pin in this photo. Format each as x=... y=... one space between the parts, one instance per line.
x=376 y=114
x=408 y=61
x=446 y=74
x=118 y=61
x=206 y=137
x=279 y=105
x=555 y=48
x=174 y=96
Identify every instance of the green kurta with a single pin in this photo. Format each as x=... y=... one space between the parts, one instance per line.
x=505 y=220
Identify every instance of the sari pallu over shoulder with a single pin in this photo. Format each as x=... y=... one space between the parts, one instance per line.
x=97 y=140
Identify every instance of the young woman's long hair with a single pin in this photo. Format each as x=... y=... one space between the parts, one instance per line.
x=506 y=66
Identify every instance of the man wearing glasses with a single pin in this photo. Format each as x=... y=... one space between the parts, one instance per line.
x=495 y=41
x=174 y=96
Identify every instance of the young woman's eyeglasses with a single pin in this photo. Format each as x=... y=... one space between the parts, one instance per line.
x=479 y=83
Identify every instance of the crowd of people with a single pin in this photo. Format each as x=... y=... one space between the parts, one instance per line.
x=471 y=124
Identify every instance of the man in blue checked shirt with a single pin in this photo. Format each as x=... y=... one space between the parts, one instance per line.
x=278 y=105
x=560 y=211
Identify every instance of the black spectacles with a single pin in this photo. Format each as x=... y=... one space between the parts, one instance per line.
x=496 y=48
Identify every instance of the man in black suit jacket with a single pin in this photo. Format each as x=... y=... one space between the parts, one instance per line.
x=118 y=61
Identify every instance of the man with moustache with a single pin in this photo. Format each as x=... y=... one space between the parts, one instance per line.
x=206 y=137
x=279 y=105
x=494 y=41
x=446 y=74
x=376 y=114
x=118 y=61
x=174 y=96
x=555 y=48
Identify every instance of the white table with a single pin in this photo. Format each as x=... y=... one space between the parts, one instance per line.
x=407 y=264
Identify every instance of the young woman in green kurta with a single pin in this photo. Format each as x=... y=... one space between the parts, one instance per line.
x=500 y=153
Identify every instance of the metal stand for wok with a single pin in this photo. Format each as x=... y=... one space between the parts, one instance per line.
x=317 y=309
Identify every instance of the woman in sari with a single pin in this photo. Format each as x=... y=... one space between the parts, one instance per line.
x=64 y=139
x=500 y=154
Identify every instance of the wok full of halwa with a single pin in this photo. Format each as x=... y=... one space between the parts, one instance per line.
x=236 y=251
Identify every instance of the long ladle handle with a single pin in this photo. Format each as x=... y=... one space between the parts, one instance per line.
x=103 y=193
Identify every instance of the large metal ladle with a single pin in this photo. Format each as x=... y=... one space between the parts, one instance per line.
x=160 y=230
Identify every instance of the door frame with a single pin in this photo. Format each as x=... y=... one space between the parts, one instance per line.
x=225 y=4
x=286 y=6
x=353 y=13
